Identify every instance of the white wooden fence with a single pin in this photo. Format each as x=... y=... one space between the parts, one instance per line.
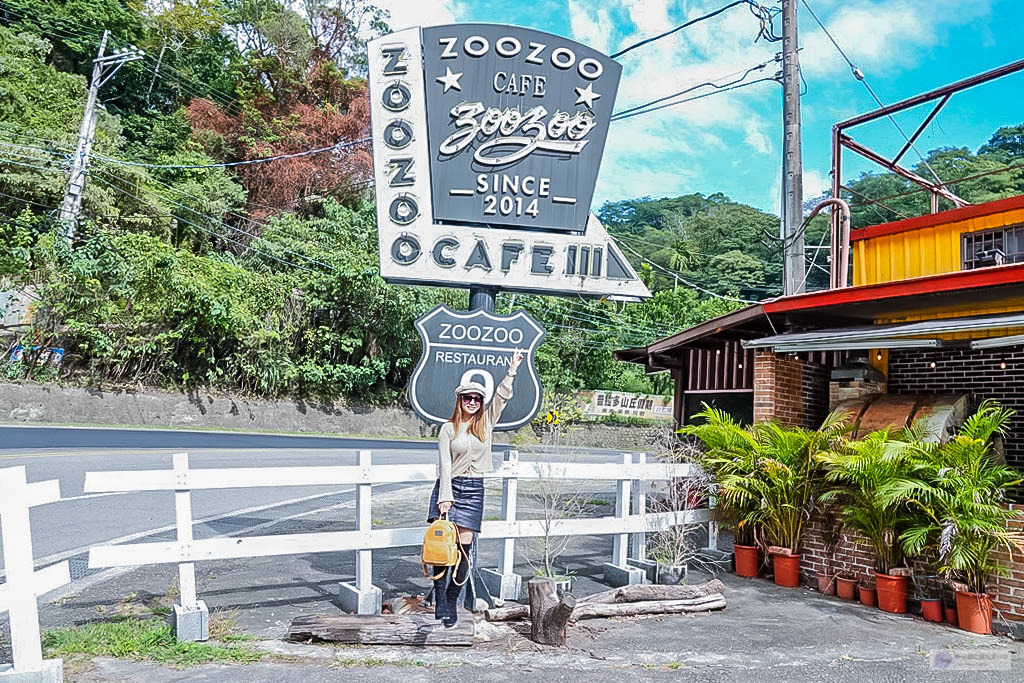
x=24 y=584
x=363 y=540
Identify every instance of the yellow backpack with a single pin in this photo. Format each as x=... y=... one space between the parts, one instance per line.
x=441 y=547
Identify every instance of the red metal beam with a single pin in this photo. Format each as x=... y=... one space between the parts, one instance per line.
x=964 y=84
x=920 y=129
x=932 y=284
x=848 y=142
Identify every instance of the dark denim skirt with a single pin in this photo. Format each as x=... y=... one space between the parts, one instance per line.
x=468 y=509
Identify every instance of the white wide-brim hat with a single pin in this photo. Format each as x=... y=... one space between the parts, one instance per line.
x=473 y=388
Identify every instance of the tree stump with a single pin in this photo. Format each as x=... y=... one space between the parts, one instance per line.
x=548 y=614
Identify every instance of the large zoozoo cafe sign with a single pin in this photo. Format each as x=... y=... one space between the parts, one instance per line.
x=487 y=141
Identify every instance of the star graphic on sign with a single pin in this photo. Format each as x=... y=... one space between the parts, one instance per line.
x=587 y=96
x=450 y=80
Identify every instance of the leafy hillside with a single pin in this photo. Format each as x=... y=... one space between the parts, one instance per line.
x=199 y=264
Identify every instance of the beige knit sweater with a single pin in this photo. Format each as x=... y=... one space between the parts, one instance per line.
x=464 y=455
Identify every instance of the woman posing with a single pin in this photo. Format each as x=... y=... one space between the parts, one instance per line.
x=464 y=453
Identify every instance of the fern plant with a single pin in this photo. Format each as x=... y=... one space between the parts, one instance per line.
x=960 y=488
x=858 y=471
x=768 y=474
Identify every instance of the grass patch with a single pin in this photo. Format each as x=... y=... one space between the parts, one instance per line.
x=597 y=502
x=141 y=639
x=355 y=662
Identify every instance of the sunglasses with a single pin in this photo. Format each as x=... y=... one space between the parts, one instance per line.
x=472 y=398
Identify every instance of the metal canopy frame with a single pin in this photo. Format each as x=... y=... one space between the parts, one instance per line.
x=841 y=139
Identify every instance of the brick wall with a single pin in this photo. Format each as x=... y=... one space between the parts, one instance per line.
x=829 y=549
x=970 y=372
x=790 y=389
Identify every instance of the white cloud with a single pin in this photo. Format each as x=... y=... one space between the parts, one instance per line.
x=406 y=13
x=880 y=37
x=593 y=30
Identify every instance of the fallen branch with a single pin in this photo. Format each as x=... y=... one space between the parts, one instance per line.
x=631 y=609
x=625 y=594
x=646 y=591
x=509 y=613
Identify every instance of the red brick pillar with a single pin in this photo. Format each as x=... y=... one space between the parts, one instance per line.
x=789 y=389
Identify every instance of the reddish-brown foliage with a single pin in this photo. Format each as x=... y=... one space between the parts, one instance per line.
x=274 y=126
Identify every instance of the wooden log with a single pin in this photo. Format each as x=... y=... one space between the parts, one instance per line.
x=645 y=591
x=507 y=613
x=625 y=594
x=384 y=629
x=549 y=614
x=629 y=609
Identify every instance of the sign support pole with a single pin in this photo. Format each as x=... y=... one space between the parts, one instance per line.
x=482 y=298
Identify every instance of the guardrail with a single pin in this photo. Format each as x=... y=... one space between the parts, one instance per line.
x=24 y=584
x=362 y=596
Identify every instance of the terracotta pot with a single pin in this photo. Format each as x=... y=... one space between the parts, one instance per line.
x=867 y=596
x=787 y=570
x=892 y=593
x=931 y=609
x=826 y=584
x=846 y=588
x=747 y=560
x=974 y=611
x=951 y=616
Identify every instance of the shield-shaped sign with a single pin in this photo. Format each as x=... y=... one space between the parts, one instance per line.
x=475 y=346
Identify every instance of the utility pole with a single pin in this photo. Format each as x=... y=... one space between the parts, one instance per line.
x=103 y=69
x=794 y=262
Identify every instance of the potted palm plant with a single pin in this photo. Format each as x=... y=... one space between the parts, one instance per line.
x=778 y=483
x=728 y=453
x=858 y=471
x=960 y=489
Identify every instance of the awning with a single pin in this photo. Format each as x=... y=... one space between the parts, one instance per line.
x=903 y=335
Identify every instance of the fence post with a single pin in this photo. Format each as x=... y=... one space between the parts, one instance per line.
x=504 y=582
x=639 y=551
x=191 y=617
x=363 y=597
x=24 y=584
x=618 y=572
x=712 y=526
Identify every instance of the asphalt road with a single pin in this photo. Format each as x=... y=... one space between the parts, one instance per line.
x=68 y=527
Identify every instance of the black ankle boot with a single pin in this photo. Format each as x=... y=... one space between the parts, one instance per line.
x=440 y=592
x=459 y=579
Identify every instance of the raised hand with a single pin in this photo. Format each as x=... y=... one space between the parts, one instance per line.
x=517 y=359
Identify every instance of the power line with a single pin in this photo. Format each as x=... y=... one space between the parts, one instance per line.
x=230 y=164
x=859 y=75
x=685 y=281
x=695 y=87
x=217 y=222
x=690 y=99
x=764 y=14
x=207 y=230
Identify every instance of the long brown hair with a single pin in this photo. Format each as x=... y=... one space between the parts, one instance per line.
x=475 y=424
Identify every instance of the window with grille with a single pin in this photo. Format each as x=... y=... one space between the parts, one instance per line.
x=1008 y=240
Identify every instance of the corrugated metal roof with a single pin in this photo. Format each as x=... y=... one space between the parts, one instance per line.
x=885 y=336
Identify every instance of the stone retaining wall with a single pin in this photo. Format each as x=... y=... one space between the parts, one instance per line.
x=49 y=403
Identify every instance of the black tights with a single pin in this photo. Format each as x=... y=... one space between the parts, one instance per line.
x=446 y=592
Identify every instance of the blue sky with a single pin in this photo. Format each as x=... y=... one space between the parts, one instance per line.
x=731 y=142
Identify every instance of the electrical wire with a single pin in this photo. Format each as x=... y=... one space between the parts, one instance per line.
x=586 y=316
x=213 y=220
x=207 y=230
x=763 y=13
x=859 y=75
x=685 y=281
x=711 y=83
x=690 y=99
x=231 y=164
